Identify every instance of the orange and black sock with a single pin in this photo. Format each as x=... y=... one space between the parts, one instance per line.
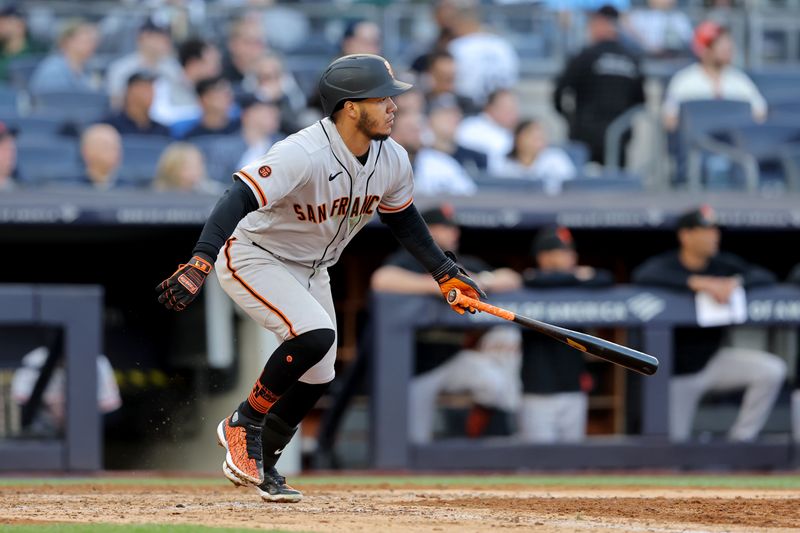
x=287 y=363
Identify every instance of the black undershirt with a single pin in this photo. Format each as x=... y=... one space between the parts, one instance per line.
x=363 y=158
x=230 y=209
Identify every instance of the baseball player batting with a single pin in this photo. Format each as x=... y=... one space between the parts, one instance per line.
x=272 y=236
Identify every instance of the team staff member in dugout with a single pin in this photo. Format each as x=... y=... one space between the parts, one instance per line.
x=702 y=363
x=555 y=382
x=275 y=232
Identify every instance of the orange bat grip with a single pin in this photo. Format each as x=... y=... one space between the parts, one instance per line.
x=456 y=297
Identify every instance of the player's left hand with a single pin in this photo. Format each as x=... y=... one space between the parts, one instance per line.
x=182 y=287
x=457 y=278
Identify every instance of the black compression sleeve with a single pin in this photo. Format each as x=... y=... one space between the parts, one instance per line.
x=230 y=209
x=412 y=232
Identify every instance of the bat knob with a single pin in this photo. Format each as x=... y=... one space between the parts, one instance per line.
x=452 y=296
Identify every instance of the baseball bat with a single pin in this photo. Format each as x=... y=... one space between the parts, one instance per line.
x=607 y=350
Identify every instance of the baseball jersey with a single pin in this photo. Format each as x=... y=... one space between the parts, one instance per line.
x=314 y=195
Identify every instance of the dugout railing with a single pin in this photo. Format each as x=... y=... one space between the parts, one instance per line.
x=75 y=312
x=654 y=313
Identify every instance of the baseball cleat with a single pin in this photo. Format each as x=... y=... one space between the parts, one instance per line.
x=226 y=470
x=242 y=441
x=275 y=489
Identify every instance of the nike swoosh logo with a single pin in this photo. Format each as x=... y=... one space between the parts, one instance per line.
x=278 y=451
x=333 y=176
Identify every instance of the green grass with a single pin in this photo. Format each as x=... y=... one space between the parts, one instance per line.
x=766 y=481
x=132 y=528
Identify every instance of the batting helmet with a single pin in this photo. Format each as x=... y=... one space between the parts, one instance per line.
x=358 y=76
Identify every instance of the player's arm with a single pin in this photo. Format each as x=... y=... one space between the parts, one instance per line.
x=412 y=232
x=178 y=291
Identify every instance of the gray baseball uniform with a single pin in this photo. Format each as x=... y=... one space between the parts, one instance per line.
x=313 y=196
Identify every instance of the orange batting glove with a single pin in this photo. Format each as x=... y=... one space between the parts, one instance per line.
x=456 y=278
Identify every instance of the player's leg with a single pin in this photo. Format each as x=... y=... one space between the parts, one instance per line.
x=272 y=295
x=537 y=418
x=761 y=374
x=491 y=387
x=685 y=392
x=571 y=420
x=288 y=411
x=423 y=391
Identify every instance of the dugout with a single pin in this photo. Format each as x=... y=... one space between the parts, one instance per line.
x=127 y=242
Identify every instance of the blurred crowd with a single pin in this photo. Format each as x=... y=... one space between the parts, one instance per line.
x=173 y=106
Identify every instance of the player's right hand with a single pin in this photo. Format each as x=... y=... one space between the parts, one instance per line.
x=178 y=290
x=457 y=278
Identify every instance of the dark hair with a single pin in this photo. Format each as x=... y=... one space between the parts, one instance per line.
x=207 y=84
x=607 y=11
x=350 y=29
x=521 y=126
x=433 y=57
x=495 y=94
x=340 y=105
x=191 y=49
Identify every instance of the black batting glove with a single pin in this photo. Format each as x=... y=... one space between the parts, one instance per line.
x=182 y=287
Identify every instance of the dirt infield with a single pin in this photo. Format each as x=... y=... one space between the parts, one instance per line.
x=386 y=508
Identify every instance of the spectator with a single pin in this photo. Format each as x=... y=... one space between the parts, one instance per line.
x=175 y=100
x=604 y=80
x=554 y=378
x=443 y=11
x=533 y=158
x=712 y=77
x=701 y=363
x=246 y=44
x=216 y=99
x=492 y=132
x=660 y=29
x=411 y=101
x=68 y=68
x=182 y=168
x=101 y=151
x=361 y=37
x=271 y=83
x=134 y=118
x=8 y=158
x=444 y=118
x=484 y=62
x=435 y=172
x=260 y=128
x=15 y=40
x=439 y=80
x=154 y=53
x=492 y=378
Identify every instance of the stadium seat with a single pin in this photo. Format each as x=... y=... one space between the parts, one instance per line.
x=140 y=155
x=790 y=161
x=221 y=154
x=512 y=185
x=9 y=97
x=43 y=162
x=577 y=151
x=77 y=107
x=764 y=144
x=698 y=120
x=608 y=181
x=37 y=127
x=777 y=85
x=21 y=69
x=787 y=110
